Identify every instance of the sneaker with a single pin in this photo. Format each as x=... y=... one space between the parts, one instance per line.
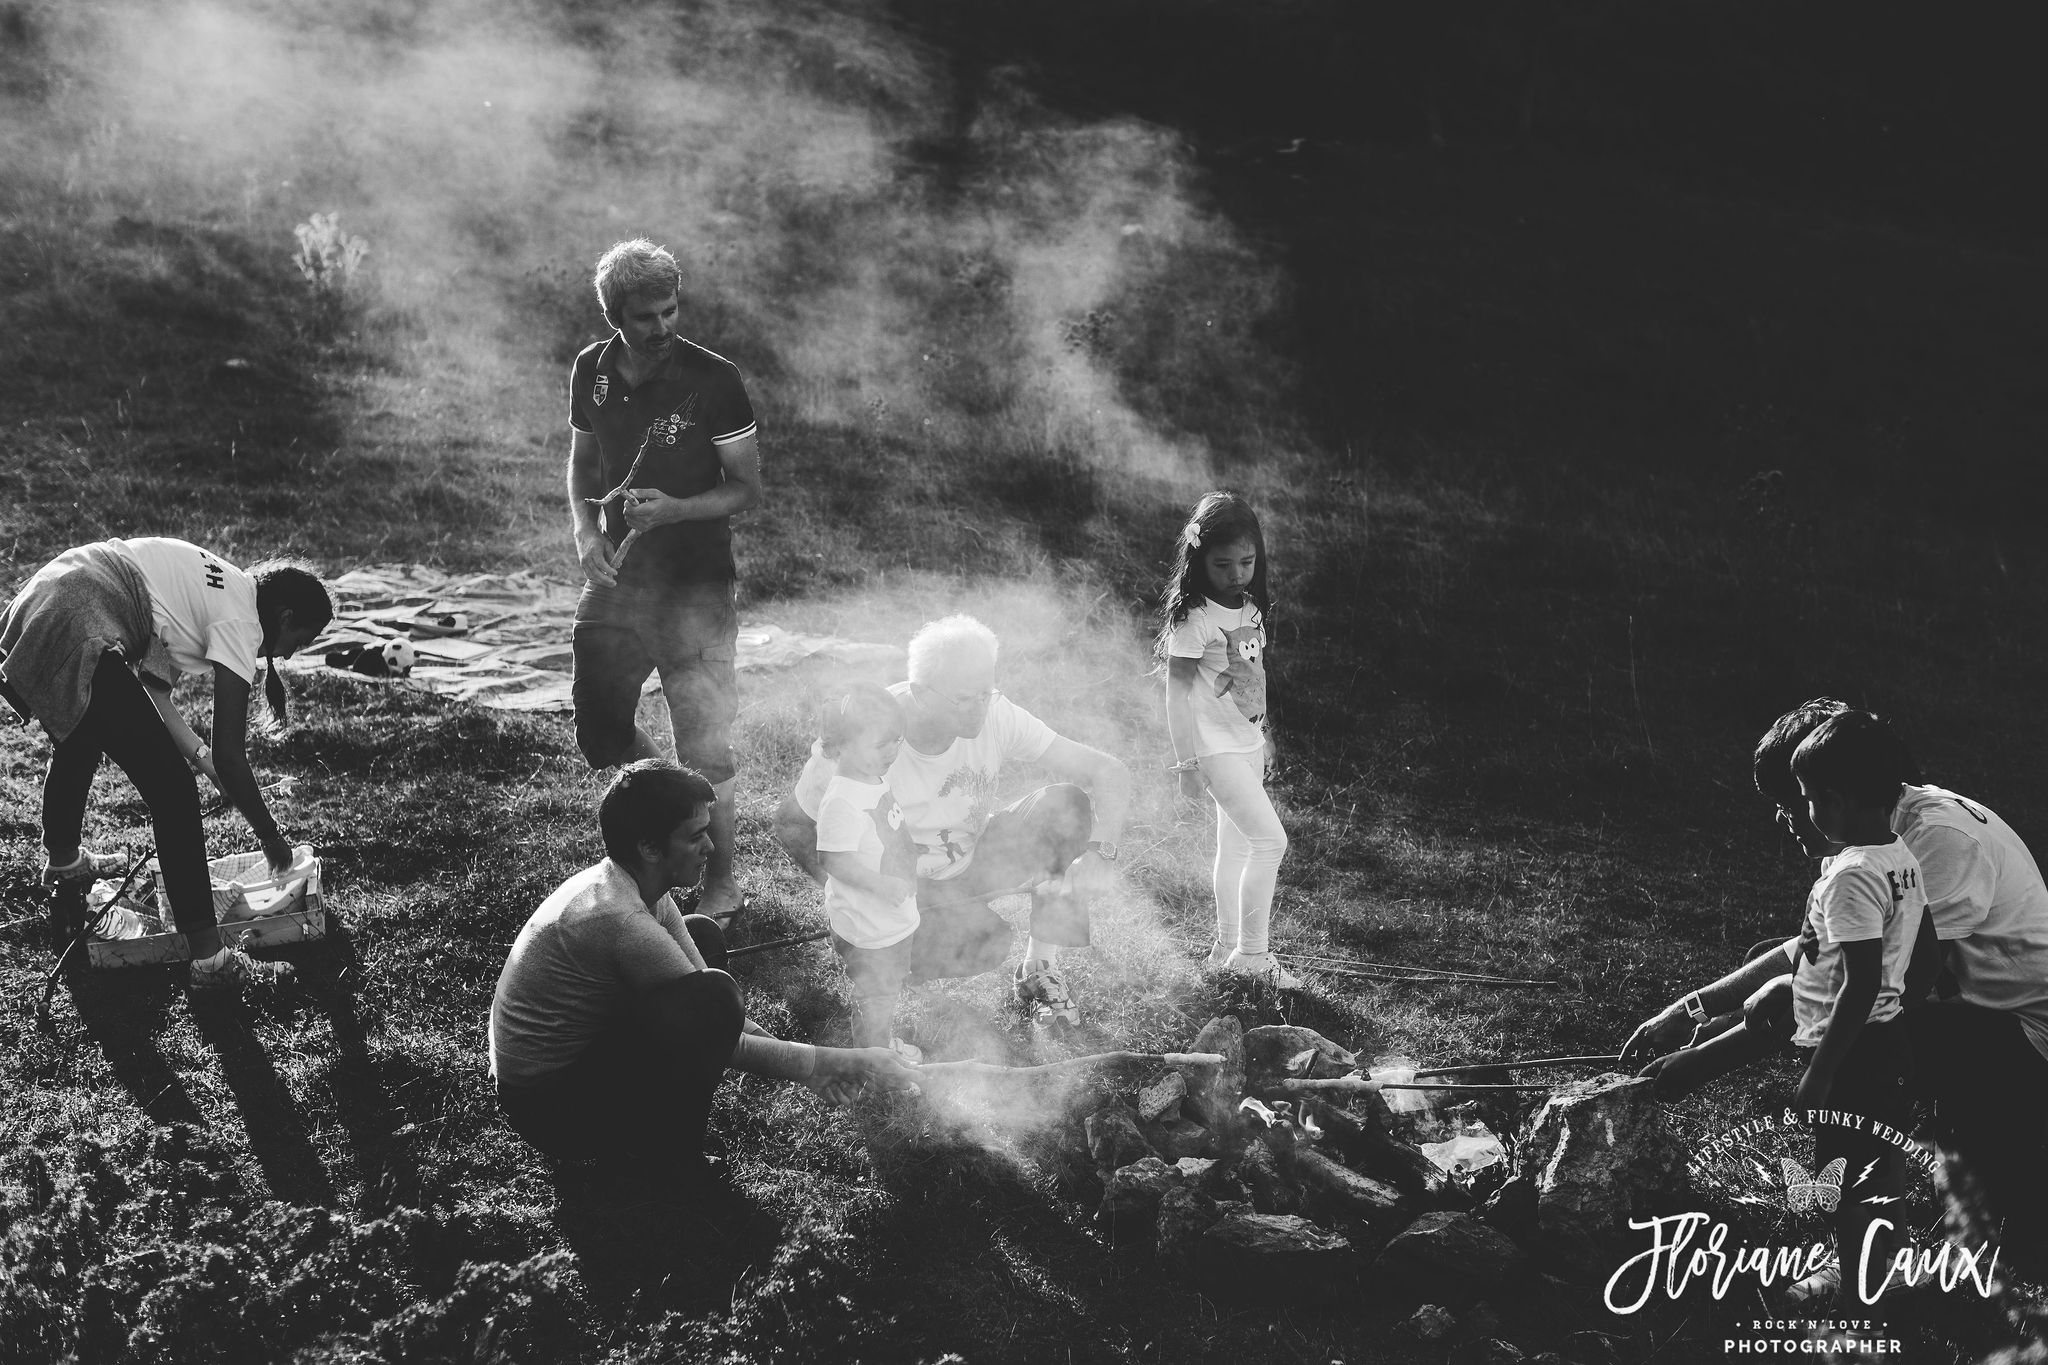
x=231 y=968
x=909 y=1052
x=1041 y=989
x=87 y=867
x=1264 y=968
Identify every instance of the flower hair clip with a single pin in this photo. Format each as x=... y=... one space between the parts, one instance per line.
x=1191 y=535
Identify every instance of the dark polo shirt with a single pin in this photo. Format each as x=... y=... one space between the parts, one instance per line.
x=686 y=410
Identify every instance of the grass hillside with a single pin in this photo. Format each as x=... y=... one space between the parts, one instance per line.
x=1575 y=474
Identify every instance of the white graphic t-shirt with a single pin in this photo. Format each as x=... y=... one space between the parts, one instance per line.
x=863 y=819
x=946 y=797
x=205 y=607
x=1229 y=697
x=1866 y=891
x=1989 y=905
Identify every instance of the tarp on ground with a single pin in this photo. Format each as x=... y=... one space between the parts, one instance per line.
x=502 y=640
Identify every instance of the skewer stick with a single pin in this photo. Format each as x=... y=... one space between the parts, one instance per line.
x=1469 y=1085
x=625 y=485
x=940 y=1071
x=1429 y=977
x=774 y=943
x=632 y=472
x=1359 y=1085
x=1397 y=967
x=1529 y=1065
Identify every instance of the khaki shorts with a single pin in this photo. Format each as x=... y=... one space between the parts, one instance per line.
x=688 y=634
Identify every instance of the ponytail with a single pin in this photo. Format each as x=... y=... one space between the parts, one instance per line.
x=287 y=585
x=273 y=689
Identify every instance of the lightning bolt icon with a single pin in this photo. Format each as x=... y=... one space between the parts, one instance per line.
x=1866 y=1173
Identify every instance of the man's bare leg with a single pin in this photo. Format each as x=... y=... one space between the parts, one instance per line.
x=643 y=746
x=721 y=896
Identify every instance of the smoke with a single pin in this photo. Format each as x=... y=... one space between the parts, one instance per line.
x=979 y=278
x=868 y=254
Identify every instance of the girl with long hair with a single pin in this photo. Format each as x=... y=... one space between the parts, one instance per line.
x=1216 y=612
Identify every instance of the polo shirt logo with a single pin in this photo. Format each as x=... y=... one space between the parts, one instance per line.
x=677 y=422
x=597 y=392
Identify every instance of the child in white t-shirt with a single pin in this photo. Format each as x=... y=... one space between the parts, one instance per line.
x=870 y=862
x=1861 y=919
x=1213 y=639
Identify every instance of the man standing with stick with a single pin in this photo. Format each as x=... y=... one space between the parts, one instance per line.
x=662 y=454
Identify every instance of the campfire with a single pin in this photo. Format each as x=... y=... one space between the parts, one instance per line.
x=1271 y=1165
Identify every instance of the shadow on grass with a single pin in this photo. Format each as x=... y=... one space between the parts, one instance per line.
x=277 y=1131
x=124 y=1012
x=359 y=1098
x=647 y=1245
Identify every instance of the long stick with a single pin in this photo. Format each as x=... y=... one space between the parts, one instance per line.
x=1359 y=1085
x=1467 y=1085
x=1529 y=1065
x=775 y=943
x=625 y=484
x=1404 y=967
x=632 y=472
x=1432 y=978
x=85 y=927
x=940 y=1071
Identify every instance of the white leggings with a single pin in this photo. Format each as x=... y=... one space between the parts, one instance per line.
x=1249 y=846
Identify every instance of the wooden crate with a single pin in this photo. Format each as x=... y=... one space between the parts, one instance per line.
x=307 y=921
x=138 y=952
x=297 y=918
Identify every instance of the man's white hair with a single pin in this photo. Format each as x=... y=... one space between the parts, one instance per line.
x=949 y=640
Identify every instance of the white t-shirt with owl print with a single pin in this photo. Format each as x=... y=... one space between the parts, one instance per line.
x=1228 y=645
x=863 y=819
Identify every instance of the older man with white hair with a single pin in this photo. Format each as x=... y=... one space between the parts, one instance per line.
x=1059 y=842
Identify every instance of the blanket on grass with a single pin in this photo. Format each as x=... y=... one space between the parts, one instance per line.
x=502 y=640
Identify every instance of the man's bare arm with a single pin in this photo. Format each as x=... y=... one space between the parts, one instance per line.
x=1670 y=1026
x=1107 y=780
x=586 y=480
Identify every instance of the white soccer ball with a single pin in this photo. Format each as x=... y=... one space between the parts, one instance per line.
x=398 y=656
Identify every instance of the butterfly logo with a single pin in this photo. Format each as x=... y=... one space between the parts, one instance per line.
x=1823 y=1191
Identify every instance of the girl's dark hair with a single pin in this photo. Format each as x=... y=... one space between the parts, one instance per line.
x=863 y=707
x=1220 y=518
x=287 y=585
